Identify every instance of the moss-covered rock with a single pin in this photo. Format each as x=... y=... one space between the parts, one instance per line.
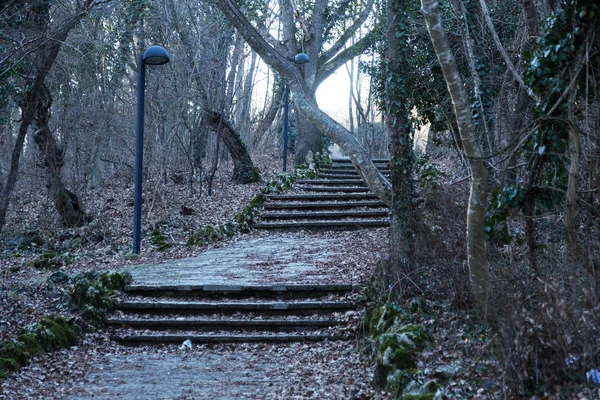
x=429 y=390
x=396 y=345
x=91 y=294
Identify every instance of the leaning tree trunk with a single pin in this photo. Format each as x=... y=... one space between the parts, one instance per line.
x=243 y=170
x=66 y=203
x=476 y=251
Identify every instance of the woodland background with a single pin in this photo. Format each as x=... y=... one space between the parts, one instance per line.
x=499 y=216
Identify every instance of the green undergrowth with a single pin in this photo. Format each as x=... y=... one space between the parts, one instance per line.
x=91 y=293
x=244 y=219
x=90 y=299
x=51 y=333
x=396 y=341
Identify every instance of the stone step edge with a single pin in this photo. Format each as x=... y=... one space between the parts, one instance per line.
x=321 y=224
x=222 y=289
x=170 y=323
x=320 y=197
x=325 y=214
x=196 y=339
x=334 y=189
x=245 y=306
x=331 y=181
x=347 y=160
x=334 y=205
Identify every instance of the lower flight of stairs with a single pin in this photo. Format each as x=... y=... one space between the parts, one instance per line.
x=338 y=199
x=235 y=314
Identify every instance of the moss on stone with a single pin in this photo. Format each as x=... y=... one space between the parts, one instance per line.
x=91 y=293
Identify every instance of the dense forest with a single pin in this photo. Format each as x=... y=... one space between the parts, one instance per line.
x=498 y=216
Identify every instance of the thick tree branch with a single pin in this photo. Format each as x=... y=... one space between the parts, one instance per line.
x=348 y=33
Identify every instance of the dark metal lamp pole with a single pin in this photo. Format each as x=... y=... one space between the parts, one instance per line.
x=154 y=55
x=300 y=58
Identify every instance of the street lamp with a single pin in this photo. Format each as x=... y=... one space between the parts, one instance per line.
x=154 y=55
x=300 y=58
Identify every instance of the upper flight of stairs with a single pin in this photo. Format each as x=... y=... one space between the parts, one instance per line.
x=338 y=199
x=234 y=314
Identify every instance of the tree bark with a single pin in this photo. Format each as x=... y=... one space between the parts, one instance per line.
x=243 y=170
x=401 y=140
x=41 y=64
x=476 y=251
x=66 y=203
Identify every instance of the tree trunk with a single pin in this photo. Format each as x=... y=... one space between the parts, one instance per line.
x=304 y=101
x=309 y=139
x=401 y=143
x=477 y=258
x=40 y=67
x=243 y=170
x=66 y=203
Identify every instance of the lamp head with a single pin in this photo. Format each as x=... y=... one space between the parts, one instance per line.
x=300 y=58
x=155 y=55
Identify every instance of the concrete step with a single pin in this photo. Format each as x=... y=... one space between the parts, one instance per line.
x=349 y=175
x=325 y=214
x=323 y=225
x=237 y=338
x=271 y=325
x=268 y=307
x=323 y=205
x=322 y=197
x=348 y=161
x=336 y=189
x=283 y=290
x=332 y=182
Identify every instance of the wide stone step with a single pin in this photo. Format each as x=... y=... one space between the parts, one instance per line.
x=238 y=290
x=322 y=197
x=348 y=161
x=280 y=325
x=349 y=175
x=240 y=338
x=322 y=225
x=325 y=214
x=270 y=307
x=332 y=182
x=338 y=189
x=323 y=205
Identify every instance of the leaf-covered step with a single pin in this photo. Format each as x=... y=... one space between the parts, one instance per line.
x=337 y=189
x=239 y=338
x=323 y=205
x=326 y=214
x=322 y=197
x=224 y=324
x=352 y=224
x=333 y=182
x=230 y=307
x=348 y=161
x=307 y=290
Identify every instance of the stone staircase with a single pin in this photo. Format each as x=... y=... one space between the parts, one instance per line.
x=338 y=199
x=234 y=314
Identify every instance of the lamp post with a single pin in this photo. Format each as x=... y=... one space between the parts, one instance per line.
x=154 y=55
x=300 y=58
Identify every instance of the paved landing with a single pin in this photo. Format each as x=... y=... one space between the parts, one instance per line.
x=269 y=260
